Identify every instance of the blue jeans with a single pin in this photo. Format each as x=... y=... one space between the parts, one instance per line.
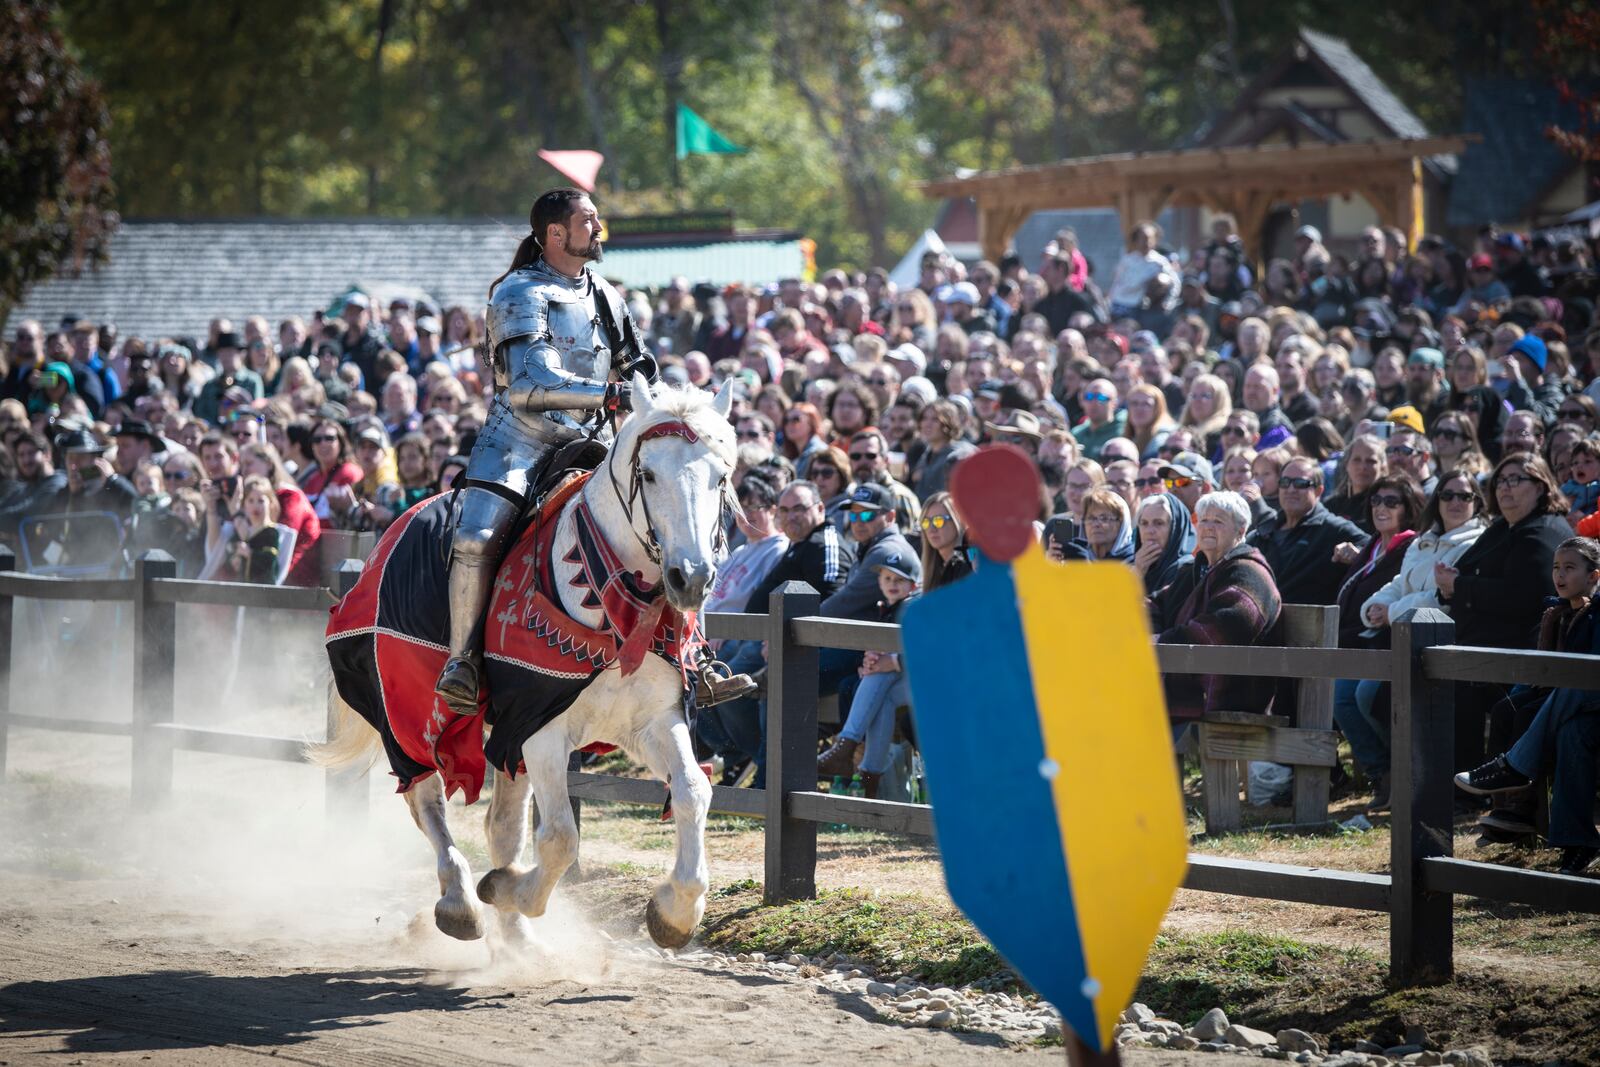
x=734 y=729
x=872 y=717
x=1565 y=737
x=1368 y=733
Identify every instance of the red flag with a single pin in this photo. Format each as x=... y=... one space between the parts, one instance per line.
x=580 y=165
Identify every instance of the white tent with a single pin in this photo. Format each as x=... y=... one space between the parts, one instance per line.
x=908 y=271
x=1587 y=216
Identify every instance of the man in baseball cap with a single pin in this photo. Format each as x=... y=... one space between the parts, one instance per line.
x=1189 y=476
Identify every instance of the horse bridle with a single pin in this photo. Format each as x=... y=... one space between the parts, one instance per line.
x=636 y=497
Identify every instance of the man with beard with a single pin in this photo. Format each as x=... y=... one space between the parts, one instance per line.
x=551 y=355
x=1425 y=385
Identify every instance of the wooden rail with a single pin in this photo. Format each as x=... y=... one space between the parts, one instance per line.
x=1423 y=667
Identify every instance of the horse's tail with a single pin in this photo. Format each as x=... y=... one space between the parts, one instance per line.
x=351 y=739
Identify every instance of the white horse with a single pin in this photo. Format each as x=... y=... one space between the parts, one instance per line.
x=661 y=489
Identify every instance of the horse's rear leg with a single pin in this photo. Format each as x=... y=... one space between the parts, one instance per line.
x=676 y=907
x=456 y=913
x=556 y=841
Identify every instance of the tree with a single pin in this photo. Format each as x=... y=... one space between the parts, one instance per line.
x=55 y=165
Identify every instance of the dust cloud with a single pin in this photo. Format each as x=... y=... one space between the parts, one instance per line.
x=244 y=854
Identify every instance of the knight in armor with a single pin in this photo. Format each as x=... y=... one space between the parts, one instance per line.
x=556 y=331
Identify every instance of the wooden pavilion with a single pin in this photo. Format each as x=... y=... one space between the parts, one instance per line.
x=1245 y=181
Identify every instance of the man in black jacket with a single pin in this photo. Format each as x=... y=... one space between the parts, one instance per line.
x=818 y=556
x=1298 y=543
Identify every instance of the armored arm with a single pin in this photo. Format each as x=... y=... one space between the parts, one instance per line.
x=536 y=381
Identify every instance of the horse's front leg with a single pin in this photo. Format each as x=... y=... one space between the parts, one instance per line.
x=556 y=842
x=505 y=827
x=455 y=914
x=678 y=903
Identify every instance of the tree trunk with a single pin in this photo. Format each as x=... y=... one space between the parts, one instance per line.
x=386 y=12
x=669 y=62
x=594 y=108
x=1057 y=80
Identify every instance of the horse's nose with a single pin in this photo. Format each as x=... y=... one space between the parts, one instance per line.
x=688 y=582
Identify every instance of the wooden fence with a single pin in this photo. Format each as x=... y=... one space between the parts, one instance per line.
x=1422 y=666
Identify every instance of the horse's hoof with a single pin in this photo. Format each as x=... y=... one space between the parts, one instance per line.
x=496 y=881
x=460 y=921
x=661 y=932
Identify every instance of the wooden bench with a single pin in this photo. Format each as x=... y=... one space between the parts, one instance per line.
x=1229 y=740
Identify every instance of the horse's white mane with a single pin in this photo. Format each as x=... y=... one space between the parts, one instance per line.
x=692 y=406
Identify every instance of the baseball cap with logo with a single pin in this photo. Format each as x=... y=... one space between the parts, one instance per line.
x=903 y=565
x=873 y=497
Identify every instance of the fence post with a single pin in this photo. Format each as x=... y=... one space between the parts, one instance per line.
x=8 y=563
x=791 y=870
x=155 y=661
x=344 y=791
x=1422 y=714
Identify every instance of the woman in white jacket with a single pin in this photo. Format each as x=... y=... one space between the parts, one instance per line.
x=1452 y=521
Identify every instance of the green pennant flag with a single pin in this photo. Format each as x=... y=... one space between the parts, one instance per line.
x=696 y=135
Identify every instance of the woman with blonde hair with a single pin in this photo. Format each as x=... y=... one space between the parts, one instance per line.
x=1148 y=421
x=1206 y=408
x=912 y=320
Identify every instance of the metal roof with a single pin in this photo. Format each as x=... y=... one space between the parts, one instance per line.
x=170 y=277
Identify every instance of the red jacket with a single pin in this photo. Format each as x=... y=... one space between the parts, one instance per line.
x=295 y=512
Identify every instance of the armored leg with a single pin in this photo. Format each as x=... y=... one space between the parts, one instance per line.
x=480 y=540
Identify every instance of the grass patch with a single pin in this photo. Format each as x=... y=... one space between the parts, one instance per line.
x=895 y=934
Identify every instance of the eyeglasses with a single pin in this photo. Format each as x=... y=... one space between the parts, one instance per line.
x=1511 y=481
x=1177 y=483
x=1572 y=413
x=1147 y=483
x=1388 y=500
x=1198 y=395
x=178 y=475
x=325 y=439
x=877 y=381
x=936 y=522
x=1449 y=435
x=797 y=417
x=1456 y=496
x=1401 y=450
x=1296 y=483
x=825 y=472
x=750 y=435
x=860 y=516
x=1101 y=518
x=794 y=509
x=1233 y=431
x=1097 y=398
x=861 y=457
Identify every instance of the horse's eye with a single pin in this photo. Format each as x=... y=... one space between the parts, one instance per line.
x=648 y=476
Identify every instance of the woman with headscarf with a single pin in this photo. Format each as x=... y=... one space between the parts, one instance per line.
x=1107 y=534
x=1163 y=540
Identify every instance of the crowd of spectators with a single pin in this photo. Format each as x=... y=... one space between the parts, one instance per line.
x=1378 y=428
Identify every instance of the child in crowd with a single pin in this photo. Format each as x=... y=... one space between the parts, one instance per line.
x=253 y=552
x=1584 y=487
x=883 y=688
x=1564 y=737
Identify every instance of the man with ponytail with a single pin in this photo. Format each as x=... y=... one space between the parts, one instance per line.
x=556 y=332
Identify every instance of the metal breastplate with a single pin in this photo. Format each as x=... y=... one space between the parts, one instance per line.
x=536 y=302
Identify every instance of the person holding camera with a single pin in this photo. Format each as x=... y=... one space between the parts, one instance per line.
x=92 y=483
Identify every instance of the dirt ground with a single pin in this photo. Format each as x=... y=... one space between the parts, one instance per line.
x=239 y=923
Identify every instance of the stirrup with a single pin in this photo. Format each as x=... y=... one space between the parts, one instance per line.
x=716 y=684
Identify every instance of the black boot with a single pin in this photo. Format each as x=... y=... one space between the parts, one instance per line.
x=869 y=784
x=1576 y=859
x=458 y=685
x=838 y=760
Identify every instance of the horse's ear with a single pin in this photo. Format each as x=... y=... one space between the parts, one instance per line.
x=643 y=400
x=722 y=403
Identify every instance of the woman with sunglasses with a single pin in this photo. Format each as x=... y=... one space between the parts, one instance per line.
x=1497 y=588
x=1471 y=394
x=1395 y=511
x=1363 y=464
x=1455 y=439
x=332 y=464
x=803 y=429
x=1581 y=410
x=830 y=470
x=944 y=543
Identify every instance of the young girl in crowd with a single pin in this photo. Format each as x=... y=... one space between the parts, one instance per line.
x=1564 y=737
x=253 y=550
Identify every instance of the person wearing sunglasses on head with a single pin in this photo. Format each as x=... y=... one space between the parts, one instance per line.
x=1299 y=541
